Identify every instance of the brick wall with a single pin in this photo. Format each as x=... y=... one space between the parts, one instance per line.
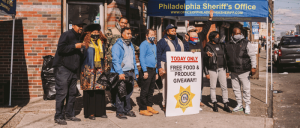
x=38 y=28
x=115 y=10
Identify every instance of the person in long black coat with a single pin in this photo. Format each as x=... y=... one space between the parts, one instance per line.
x=66 y=65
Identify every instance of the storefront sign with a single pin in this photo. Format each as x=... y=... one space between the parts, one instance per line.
x=8 y=6
x=236 y=8
x=184 y=83
x=255 y=29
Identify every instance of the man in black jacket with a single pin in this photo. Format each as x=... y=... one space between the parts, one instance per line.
x=215 y=69
x=241 y=59
x=195 y=41
x=67 y=65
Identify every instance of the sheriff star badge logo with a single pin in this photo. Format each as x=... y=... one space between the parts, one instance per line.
x=184 y=98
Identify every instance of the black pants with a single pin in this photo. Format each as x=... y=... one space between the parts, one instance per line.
x=147 y=90
x=94 y=103
x=112 y=91
x=66 y=82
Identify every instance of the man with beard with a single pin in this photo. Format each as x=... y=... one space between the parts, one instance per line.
x=170 y=42
x=67 y=67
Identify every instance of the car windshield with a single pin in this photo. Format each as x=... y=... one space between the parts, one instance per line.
x=291 y=41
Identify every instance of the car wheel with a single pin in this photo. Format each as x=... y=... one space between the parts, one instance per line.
x=279 y=68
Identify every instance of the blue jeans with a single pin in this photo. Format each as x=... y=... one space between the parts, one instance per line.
x=123 y=104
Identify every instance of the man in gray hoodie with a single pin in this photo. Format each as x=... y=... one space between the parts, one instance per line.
x=241 y=60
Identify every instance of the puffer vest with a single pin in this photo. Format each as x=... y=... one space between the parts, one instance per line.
x=238 y=58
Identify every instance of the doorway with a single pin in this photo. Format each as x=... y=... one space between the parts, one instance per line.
x=88 y=12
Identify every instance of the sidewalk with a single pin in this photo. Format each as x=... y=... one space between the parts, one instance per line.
x=39 y=113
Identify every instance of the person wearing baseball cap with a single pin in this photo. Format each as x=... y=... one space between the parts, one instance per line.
x=194 y=40
x=170 y=42
x=67 y=65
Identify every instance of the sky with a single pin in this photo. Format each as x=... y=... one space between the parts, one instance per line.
x=286 y=15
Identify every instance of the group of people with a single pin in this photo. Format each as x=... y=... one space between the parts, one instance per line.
x=114 y=52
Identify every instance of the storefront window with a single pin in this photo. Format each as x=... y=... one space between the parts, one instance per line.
x=89 y=13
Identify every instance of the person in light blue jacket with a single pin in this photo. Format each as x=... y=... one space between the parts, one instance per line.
x=124 y=63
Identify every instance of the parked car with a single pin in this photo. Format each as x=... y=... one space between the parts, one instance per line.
x=288 y=52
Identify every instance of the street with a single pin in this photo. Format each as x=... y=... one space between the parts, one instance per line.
x=286 y=105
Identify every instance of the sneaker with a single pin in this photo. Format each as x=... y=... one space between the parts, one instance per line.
x=72 y=119
x=200 y=109
x=247 y=109
x=60 y=121
x=238 y=108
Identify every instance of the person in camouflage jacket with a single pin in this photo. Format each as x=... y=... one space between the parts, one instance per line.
x=113 y=35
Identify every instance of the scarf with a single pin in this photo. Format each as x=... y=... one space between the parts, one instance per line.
x=98 y=52
x=234 y=41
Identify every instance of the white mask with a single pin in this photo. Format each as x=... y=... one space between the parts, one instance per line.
x=238 y=37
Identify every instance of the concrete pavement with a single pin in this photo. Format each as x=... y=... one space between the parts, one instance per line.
x=40 y=113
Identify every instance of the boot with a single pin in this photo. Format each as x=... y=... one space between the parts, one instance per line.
x=215 y=108
x=146 y=113
x=150 y=109
x=201 y=104
x=226 y=108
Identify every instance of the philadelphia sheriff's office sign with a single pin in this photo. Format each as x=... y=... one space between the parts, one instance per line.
x=183 y=83
x=8 y=6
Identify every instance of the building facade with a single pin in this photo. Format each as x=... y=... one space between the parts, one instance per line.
x=39 y=24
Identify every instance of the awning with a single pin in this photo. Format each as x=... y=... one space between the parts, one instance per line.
x=232 y=10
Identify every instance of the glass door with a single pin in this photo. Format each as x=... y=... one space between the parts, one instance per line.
x=88 y=12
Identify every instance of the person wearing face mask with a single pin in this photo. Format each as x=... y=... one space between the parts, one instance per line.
x=194 y=40
x=113 y=34
x=241 y=60
x=66 y=64
x=170 y=42
x=150 y=73
x=92 y=67
x=215 y=68
x=124 y=63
